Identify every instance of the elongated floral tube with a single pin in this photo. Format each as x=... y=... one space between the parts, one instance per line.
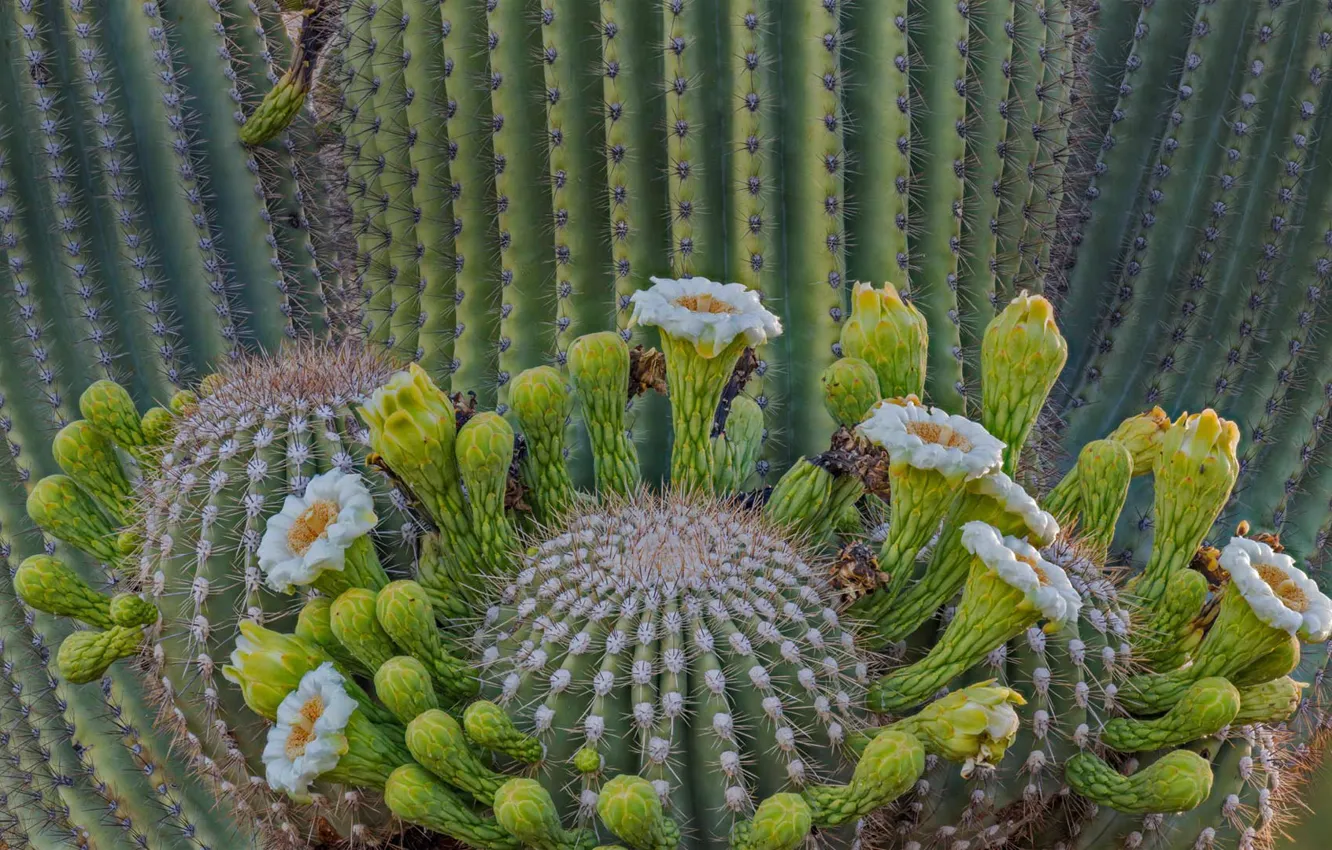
x=413 y=426
x=1106 y=471
x=993 y=498
x=1022 y=354
x=850 y=390
x=1194 y=474
x=1009 y=588
x=405 y=613
x=1207 y=707
x=437 y=741
x=1174 y=630
x=972 y=726
x=484 y=449
x=354 y=623
x=889 y=334
x=47 y=584
x=542 y=404
x=1271 y=702
x=599 y=370
x=887 y=769
x=64 y=510
x=527 y=812
x=631 y=808
x=781 y=822
x=705 y=326
x=1140 y=435
x=931 y=455
x=490 y=726
x=404 y=685
x=445 y=581
x=1274 y=665
x=84 y=656
x=1177 y=782
x=801 y=496
x=1266 y=602
x=89 y=457
x=417 y=796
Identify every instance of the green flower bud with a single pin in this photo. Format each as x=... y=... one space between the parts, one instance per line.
x=1141 y=435
x=630 y=807
x=526 y=811
x=891 y=336
x=599 y=371
x=587 y=760
x=45 y=583
x=268 y=665
x=542 y=403
x=974 y=726
x=492 y=728
x=88 y=456
x=782 y=822
x=63 y=509
x=850 y=389
x=314 y=624
x=182 y=401
x=1022 y=355
x=1177 y=782
x=156 y=425
x=84 y=656
x=403 y=684
x=108 y=406
x=889 y=766
x=128 y=609
x=280 y=106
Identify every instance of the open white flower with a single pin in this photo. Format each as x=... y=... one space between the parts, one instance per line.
x=710 y=315
x=1014 y=499
x=311 y=533
x=308 y=738
x=1278 y=592
x=1020 y=564
x=929 y=438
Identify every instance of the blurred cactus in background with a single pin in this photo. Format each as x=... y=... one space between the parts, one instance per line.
x=228 y=225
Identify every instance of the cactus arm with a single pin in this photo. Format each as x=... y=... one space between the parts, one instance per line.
x=684 y=126
x=418 y=797
x=488 y=725
x=813 y=165
x=436 y=741
x=404 y=612
x=599 y=371
x=782 y=822
x=748 y=102
x=468 y=121
x=521 y=191
x=1178 y=781
x=1207 y=707
x=942 y=186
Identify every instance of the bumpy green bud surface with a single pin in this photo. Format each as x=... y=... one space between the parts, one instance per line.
x=88 y=456
x=1175 y=628
x=62 y=508
x=736 y=450
x=782 y=822
x=404 y=686
x=1271 y=702
x=416 y=796
x=888 y=768
x=354 y=623
x=1178 y=781
x=489 y=725
x=484 y=449
x=182 y=402
x=1022 y=354
x=282 y=104
x=542 y=403
x=850 y=389
x=108 y=406
x=1207 y=707
x=630 y=807
x=436 y=740
x=975 y=725
x=45 y=583
x=1142 y=436
x=405 y=613
x=801 y=496
x=891 y=336
x=1105 y=468
x=268 y=665
x=156 y=425
x=587 y=760
x=599 y=370
x=527 y=812
x=314 y=623
x=129 y=609
x=84 y=656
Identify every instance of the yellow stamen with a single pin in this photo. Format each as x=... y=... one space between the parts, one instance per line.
x=932 y=432
x=1286 y=590
x=311 y=525
x=302 y=733
x=704 y=304
x=1031 y=562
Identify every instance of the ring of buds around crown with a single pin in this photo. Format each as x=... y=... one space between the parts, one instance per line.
x=424 y=609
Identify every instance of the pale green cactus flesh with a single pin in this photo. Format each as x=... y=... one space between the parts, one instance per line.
x=460 y=553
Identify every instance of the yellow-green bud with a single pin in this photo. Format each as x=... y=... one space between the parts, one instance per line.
x=850 y=389
x=974 y=726
x=128 y=609
x=484 y=447
x=890 y=335
x=62 y=508
x=268 y=665
x=182 y=401
x=587 y=760
x=404 y=686
x=1141 y=435
x=782 y=822
x=157 y=424
x=1022 y=355
x=84 y=656
x=88 y=456
x=47 y=584
x=630 y=807
x=108 y=406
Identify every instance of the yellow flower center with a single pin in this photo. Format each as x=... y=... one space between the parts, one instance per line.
x=302 y=731
x=704 y=304
x=311 y=525
x=942 y=435
x=1036 y=568
x=1286 y=590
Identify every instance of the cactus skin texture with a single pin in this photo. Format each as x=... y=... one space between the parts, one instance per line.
x=185 y=183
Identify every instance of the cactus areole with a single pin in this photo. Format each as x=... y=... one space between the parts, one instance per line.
x=511 y=661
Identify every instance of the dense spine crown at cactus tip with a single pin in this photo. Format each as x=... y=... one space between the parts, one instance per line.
x=346 y=586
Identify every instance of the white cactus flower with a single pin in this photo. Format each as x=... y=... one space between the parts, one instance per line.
x=929 y=438
x=708 y=314
x=308 y=738
x=312 y=532
x=1020 y=564
x=1278 y=592
x=1041 y=525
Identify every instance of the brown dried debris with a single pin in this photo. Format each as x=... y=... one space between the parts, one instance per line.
x=647 y=371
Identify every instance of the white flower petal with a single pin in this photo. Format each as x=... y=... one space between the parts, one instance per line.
x=668 y=305
x=1300 y=609
x=324 y=742
x=355 y=517
x=909 y=432
x=1012 y=559
x=1041 y=526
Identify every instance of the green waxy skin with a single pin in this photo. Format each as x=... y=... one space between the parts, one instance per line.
x=1208 y=706
x=599 y=371
x=1176 y=782
x=404 y=612
x=314 y=624
x=130 y=610
x=887 y=768
x=541 y=403
x=84 y=656
x=630 y=807
x=801 y=496
x=696 y=384
x=1105 y=472
x=108 y=406
x=782 y=822
x=850 y=389
x=278 y=108
x=488 y=725
x=1022 y=354
x=527 y=812
x=404 y=685
x=415 y=795
x=45 y=583
x=736 y=449
x=436 y=741
x=1175 y=629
